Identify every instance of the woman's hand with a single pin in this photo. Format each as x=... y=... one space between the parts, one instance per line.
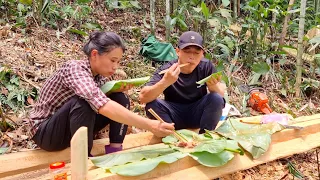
x=161 y=129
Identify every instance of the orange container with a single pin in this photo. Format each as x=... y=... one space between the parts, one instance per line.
x=58 y=171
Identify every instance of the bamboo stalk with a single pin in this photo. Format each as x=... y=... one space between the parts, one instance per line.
x=177 y=135
x=235 y=6
x=300 y=47
x=180 y=66
x=152 y=16
x=168 y=20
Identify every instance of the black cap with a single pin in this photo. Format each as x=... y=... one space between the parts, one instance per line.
x=190 y=38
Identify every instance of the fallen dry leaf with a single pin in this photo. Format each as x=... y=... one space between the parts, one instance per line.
x=30 y=100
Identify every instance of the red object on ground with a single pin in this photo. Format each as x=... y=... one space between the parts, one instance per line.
x=259 y=102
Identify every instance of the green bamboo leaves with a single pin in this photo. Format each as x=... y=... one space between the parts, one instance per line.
x=111 y=86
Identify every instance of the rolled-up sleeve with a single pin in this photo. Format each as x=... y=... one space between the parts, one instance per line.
x=78 y=79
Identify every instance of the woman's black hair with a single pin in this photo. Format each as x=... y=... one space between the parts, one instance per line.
x=103 y=42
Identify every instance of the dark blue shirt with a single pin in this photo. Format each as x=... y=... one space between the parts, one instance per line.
x=185 y=90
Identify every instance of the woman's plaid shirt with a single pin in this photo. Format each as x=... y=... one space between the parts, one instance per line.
x=73 y=78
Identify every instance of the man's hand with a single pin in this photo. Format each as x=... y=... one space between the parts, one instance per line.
x=214 y=85
x=161 y=129
x=172 y=75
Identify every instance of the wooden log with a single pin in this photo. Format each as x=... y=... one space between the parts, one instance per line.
x=276 y=151
x=79 y=154
x=284 y=143
x=20 y=162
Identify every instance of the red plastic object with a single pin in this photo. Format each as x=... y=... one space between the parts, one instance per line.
x=259 y=102
x=57 y=165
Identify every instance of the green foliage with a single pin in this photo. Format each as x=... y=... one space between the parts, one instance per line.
x=253 y=138
x=12 y=94
x=16 y=10
x=294 y=171
x=116 y=4
x=211 y=150
x=112 y=86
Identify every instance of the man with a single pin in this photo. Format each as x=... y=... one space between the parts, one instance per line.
x=185 y=103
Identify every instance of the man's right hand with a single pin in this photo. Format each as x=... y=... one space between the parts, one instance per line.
x=161 y=129
x=172 y=75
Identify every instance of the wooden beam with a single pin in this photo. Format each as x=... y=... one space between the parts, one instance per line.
x=79 y=154
x=284 y=143
x=276 y=151
x=20 y=162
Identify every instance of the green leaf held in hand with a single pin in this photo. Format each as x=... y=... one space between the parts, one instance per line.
x=215 y=75
x=116 y=85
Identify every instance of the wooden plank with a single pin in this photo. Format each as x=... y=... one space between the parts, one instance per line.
x=79 y=154
x=20 y=162
x=161 y=170
x=279 y=139
x=276 y=151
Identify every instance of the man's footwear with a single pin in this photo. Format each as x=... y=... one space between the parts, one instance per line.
x=109 y=149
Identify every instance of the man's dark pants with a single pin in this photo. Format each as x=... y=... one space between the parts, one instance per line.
x=55 y=133
x=204 y=113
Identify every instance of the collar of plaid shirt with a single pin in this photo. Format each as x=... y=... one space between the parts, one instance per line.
x=74 y=78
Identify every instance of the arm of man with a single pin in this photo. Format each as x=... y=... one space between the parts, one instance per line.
x=150 y=93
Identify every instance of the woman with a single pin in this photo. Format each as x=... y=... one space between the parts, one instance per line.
x=72 y=98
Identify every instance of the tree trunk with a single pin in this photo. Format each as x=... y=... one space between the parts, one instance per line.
x=152 y=16
x=285 y=24
x=168 y=20
x=300 y=47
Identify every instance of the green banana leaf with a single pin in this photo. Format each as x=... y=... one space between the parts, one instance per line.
x=144 y=166
x=212 y=160
x=112 y=86
x=135 y=155
x=3 y=150
x=211 y=151
x=255 y=139
x=212 y=144
x=204 y=80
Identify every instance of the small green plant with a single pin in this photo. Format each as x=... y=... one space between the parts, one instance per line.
x=115 y=4
x=12 y=94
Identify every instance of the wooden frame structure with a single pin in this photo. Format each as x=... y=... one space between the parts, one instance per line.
x=284 y=143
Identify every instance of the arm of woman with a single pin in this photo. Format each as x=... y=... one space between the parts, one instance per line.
x=118 y=113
